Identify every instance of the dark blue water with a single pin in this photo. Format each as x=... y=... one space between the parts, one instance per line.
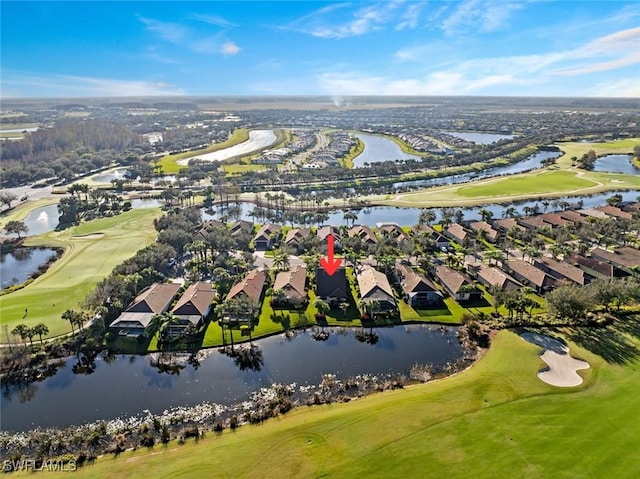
x=530 y=163
x=378 y=149
x=616 y=164
x=130 y=385
x=18 y=265
x=409 y=216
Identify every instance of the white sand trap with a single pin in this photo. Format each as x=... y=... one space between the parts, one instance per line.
x=561 y=370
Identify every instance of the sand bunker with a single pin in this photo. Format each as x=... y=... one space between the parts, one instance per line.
x=561 y=370
x=89 y=236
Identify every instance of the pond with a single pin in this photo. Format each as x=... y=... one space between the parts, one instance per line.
x=117 y=174
x=378 y=149
x=409 y=216
x=121 y=174
x=616 y=164
x=131 y=384
x=42 y=219
x=480 y=138
x=18 y=265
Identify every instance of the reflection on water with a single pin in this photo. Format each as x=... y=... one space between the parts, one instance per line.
x=409 y=216
x=42 y=219
x=616 y=164
x=120 y=387
x=18 y=265
x=378 y=149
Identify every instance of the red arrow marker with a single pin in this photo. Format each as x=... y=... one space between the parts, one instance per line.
x=330 y=264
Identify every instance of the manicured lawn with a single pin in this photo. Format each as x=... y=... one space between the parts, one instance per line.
x=496 y=419
x=242 y=168
x=545 y=182
x=92 y=250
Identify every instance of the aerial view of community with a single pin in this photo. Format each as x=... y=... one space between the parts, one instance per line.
x=395 y=239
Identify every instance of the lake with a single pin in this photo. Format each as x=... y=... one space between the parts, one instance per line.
x=130 y=384
x=409 y=216
x=42 y=219
x=480 y=138
x=258 y=139
x=18 y=265
x=378 y=149
x=530 y=163
x=616 y=164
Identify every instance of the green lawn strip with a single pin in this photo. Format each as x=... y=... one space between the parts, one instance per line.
x=17 y=126
x=496 y=419
x=577 y=149
x=357 y=149
x=87 y=259
x=169 y=162
x=238 y=169
x=543 y=182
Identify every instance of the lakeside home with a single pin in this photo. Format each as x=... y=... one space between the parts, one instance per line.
x=375 y=288
x=156 y=299
x=419 y=291
x=293 y=284
x=194 y=305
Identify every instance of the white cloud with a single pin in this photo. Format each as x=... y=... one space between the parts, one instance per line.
x=479 y=15
x=627 y=88
x=189 y=38
x=213 y=20
x=521 y=74
x=230 y=48
x=171 y=32
x=327 y=22
x=42 y=85
x=410 y=18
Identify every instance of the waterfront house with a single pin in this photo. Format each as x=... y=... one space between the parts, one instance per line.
x=374 y=287
x=155 y=299
x=458 y=285
x=334 y=289
x=292 y=284
x=418 y=291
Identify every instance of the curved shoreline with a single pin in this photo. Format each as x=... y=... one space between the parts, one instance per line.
x=258 y=140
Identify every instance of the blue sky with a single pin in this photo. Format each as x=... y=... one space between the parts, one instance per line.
x=469 y=47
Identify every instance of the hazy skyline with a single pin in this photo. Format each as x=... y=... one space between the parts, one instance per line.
x=472 y=47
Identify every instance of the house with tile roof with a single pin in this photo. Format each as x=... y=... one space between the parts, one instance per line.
x=417 y=289
x=156 y=299
x=293 y=284
x=374 y=287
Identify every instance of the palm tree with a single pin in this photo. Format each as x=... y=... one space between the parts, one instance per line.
x=21 y=330
x=426 y=217
x=322 y=306
x=350 y=216
x=485 y=214
x=71 y=316
x=494 y=255
x=40 y=329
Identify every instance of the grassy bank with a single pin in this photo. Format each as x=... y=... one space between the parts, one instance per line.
x=548 y=183
x=169 y=162
x=92 y=250
x=496 y=419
